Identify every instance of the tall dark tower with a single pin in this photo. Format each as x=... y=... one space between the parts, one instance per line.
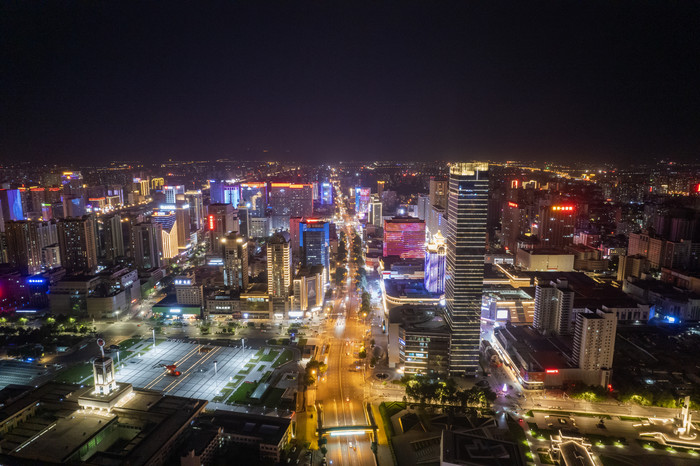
x=467 y=209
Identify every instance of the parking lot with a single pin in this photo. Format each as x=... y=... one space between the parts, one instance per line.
x=204 y=369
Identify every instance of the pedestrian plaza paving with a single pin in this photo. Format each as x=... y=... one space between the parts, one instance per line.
x=207 y=372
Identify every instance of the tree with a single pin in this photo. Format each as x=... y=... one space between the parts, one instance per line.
x=340 y=275
x=362 y=354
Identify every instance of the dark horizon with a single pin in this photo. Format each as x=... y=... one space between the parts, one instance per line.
x=83 y=83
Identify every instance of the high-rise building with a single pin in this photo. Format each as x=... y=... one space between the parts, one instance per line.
x=112 y=237
x=375 y=211
x=314 y=241
x=194 y=199
x=225 y=192
x=182 y=215
x=422 y=207
x=24 y=246
x=235 y=254
x=294 y=235
x=144 y=186
x=169 y=233
x=254 y=196
x=73 y=206
x=404 y=237
x=467 y=208
x=279 y=265
x=435 y=258
x=362 y=196
x=594 y=340
x=380 y=188
x=171 y=193
x=10 y=206
x=325 y=195
x=78 y=243
x=147 y=238
x=556 y=225
x=220 y=222
x=243 y=220
x=291 y=199
x=438 y=192
x=553 y=305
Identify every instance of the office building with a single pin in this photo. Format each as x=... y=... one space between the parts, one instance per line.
x=187 y=291
x=435 y=259
x=467 y=208
x=78 y=243
x=220 y=222
x=291 y=199
x=235 y=257
x=243 y=220
x=254 y=196
x=10 y=206
x=438 y=192
x=325 y=193
x=225 y=192
x=556 y=225
x=147 y=239
x=144 y=186
x=308 y=288
x=362 y=196
x=375 y=212
x=594 y=340
x=294 y=236
x=259 y=227
x=194 y=200
x=171 y=193
x=314 y=241
x=404 y=237
x=182 y=215
x=169 y=234
x=279 y=265
x=553 y=306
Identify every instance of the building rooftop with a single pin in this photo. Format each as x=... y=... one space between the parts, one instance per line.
x=271 y=430
x=468 y=449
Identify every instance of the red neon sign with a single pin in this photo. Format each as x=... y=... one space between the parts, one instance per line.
x=552 y=371
x=563 y=207
x=513 y=204
x=211 y=222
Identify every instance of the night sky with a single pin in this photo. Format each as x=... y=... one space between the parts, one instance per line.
x=329 y=80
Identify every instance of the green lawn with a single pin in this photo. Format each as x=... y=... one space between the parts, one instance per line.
x=271 y=356
x=265 y=376
x=128 y=343
x=225 y=393
x=75 y=374
x=242 y=393
x=262 y=367
x=246 y=370
x=286 y=355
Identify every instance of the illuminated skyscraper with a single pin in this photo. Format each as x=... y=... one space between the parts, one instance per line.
x=235 y=253
x=194 y=199
x=171 y=193
x=314 y=241
x=169 y=236
x=78 y=243
x=467 y=208
x=10 y=206
x=435 y=258
x=362 y=196
x=279 y=266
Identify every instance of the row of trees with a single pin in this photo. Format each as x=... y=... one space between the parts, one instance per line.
x=314 y=369
x=426 y=390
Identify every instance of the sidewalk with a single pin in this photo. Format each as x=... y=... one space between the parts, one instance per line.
x=384 y=456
